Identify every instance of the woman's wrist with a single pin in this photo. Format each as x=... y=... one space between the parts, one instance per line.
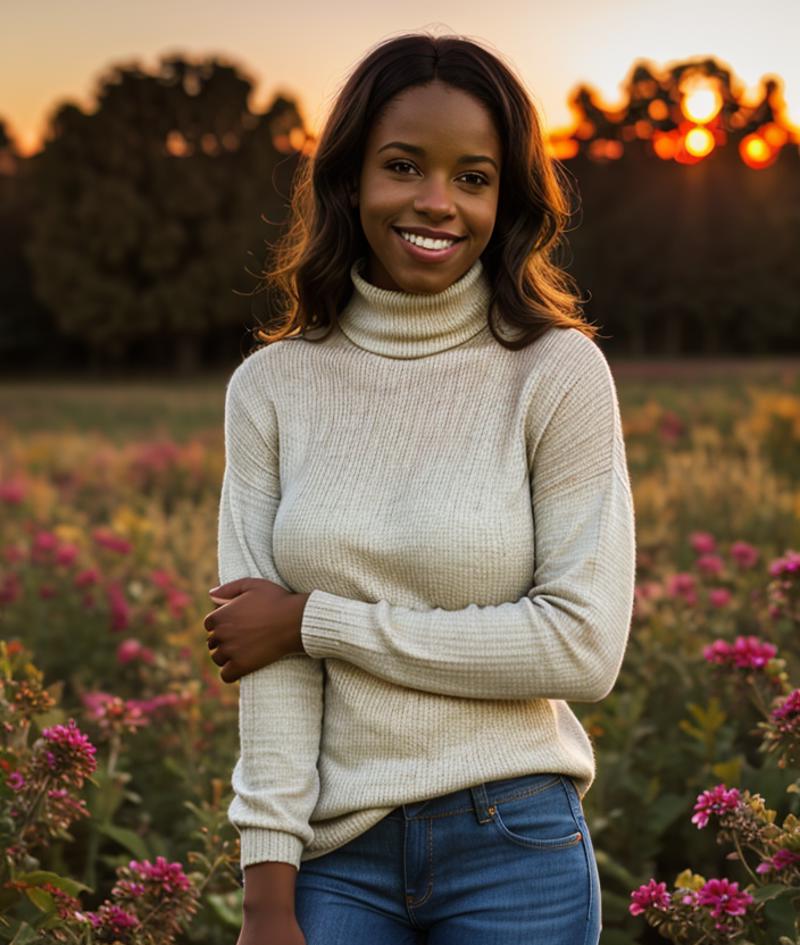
x=269 y=887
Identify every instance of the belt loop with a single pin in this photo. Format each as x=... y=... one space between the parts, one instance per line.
x=480 y=801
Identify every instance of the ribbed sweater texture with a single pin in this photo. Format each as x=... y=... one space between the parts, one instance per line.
x=461 y=515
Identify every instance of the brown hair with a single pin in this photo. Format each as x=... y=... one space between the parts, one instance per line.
x=312 y=261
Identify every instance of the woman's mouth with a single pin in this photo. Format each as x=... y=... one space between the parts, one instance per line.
x=426 y=249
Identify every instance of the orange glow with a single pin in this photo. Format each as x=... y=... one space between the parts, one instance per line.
x=562 y=148
x=603 y=149
x=585 y=130
x=176 y=144
x=665 y=144
x=701 y=104
x=773 y=134
x=756 y=152
x=657 y=110
x=644 y=129
x=297 y=138
x=699 y=142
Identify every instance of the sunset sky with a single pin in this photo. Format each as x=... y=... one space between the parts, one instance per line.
x=51 y=50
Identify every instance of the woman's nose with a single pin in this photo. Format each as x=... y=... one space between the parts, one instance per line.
x=433 y=196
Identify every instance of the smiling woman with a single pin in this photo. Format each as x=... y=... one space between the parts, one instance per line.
x=428 y=217
x=426 y=540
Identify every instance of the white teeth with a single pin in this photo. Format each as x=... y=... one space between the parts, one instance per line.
x=425 y=242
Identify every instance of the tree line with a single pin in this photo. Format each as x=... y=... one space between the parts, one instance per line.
x=135 y=236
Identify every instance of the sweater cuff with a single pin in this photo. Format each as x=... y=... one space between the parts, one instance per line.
x=333 y=624
x=260 y=845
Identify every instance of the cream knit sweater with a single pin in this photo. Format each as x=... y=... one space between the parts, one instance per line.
x=462 y=516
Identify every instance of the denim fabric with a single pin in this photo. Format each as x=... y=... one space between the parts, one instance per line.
x=507 y=862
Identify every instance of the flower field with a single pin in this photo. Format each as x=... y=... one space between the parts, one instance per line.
x=118 y=738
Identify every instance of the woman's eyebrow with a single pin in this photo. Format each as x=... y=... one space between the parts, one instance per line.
x=415 y=149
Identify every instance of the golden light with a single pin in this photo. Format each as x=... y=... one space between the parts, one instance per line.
x=176 y=144
x=297 y=138
x=562 y=149
x=773 y=134
x=756 y=152
x=701 y=104
x=657 y=110
x=665 y=144
x=699 y=142
x=644 y=129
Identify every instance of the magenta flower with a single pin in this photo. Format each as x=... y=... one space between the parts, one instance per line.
x=87 y=578
x=788 y=564
x=166 y=876
x=745 y=653
x=67 y=553
x=10 y=588
x=710 y=564
x=744 y=554
x=111 y=713
x=109 y=917
x=786 y=714
x=719 y=597
x=682 y=585
x=702 y=542
x=12 y=491
x=723 y=898
x=15 y=781
x=780 y=860
x=716 y=801
x=652 y=895
x=107 y=539
x=120 y=611
x=71 y=754
x=131 y=650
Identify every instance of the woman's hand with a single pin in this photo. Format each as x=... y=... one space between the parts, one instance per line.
x=257 y=623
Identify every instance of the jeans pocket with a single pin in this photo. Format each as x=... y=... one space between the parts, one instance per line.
x=544 y=820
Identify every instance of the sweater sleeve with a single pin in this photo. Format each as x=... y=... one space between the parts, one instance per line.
x=566 y=637
x=275 y=780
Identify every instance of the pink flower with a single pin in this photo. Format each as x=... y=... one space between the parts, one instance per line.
x=682 y=585
x=788 y=564
x=46 y=591
x=710 y=564
x=167 y=876
x=15 y=781
x=87 y=578
x=131 y=650
x=786 y=714
x=107 y=539
x=719 y=597
x=745 y=555
x=716 y=801
x=10 y=588
x=154 y=705
x=745 y=653
x=120 y=611
x=44 y=547
x=702 y=542
x=110 y=917
x=112 y=713
x=780 y=860
x=71 y=753
x=724 y=898
x=652 y=895
x=67 y=553
x=671 y=427
x=12 y=491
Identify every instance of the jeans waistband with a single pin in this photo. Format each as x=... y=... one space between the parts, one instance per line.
x=479 y=798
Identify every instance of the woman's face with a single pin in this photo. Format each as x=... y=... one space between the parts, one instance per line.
x=431 y=163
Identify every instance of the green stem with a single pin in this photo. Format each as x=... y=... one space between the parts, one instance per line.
x=743 y=861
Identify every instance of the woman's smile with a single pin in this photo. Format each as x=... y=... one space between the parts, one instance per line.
x=427 y=250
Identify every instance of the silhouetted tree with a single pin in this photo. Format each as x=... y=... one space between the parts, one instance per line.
x=145 y=209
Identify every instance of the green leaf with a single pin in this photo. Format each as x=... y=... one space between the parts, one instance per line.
x=43 y=901
x=126 y=838
x=772 y=891
x=40 y=877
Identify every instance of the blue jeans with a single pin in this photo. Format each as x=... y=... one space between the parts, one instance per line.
x=506 y=862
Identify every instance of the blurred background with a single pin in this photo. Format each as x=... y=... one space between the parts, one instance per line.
x=147 y=153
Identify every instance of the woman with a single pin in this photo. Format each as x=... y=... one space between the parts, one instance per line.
x=426 y=532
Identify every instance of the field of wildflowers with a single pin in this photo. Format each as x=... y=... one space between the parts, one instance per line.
x=118 y=737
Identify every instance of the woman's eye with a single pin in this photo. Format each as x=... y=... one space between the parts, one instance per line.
x=479 y=178
x=395 y=164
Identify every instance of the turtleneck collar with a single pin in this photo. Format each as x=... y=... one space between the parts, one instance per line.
x=400 y=324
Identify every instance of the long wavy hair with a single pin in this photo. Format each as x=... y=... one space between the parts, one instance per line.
x=310 y=266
